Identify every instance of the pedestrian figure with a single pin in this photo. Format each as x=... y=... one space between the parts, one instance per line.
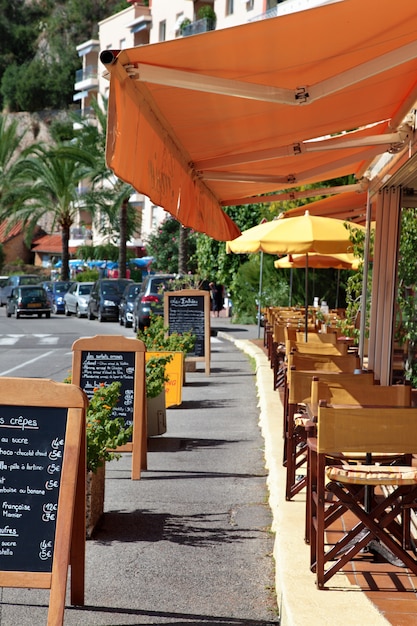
x=217 y=300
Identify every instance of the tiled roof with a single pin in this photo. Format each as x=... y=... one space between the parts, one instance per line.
x=50 y=244
x=7 y=234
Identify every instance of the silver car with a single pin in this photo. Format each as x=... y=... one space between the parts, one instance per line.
x=76 y=299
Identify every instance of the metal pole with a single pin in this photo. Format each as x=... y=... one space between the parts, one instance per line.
x=261 y=263
x=306 y=299
x=362 y=330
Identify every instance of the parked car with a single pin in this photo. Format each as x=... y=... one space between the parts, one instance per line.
x=150 y=299
x=56 y=290
x=15 y=281
x=105 y=298
x=28 y=300
x=76 y=299
x=126 y=304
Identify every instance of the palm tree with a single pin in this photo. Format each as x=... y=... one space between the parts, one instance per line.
x=45 y=183
x=108 y=193
x=10 y=148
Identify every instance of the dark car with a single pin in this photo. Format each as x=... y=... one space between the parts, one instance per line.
x=150 y=298
x=16 y=281
x=105 y=297
x=28 y=300
x=56 y=290
x=126 y=304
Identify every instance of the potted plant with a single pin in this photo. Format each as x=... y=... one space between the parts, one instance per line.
x=160 y=343
x=207 y=12
x=104 y=433
x=156 y=378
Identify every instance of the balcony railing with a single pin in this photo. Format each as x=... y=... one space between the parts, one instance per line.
x=199 y=26
x=86 y=73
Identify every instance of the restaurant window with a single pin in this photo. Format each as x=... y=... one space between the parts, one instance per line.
x=229 y=7
x=162 y=30
x=250 y=5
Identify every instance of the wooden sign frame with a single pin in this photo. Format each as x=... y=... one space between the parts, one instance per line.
x=69 y=540
x=118 y=344
x=188 y=295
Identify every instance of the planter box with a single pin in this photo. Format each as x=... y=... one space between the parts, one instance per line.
x=175 y=373
x=94 y=506
x=156 y=415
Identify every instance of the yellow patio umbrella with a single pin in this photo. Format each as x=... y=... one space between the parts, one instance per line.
x=342 y=261
x=303 y=234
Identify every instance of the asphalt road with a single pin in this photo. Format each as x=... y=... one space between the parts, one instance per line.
x=32 y=347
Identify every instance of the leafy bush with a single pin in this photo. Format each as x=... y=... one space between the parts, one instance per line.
x=156 y=338
x=105 y=433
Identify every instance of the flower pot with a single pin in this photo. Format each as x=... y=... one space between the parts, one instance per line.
x=157 y=415
x=175 y=371
x=94 y=499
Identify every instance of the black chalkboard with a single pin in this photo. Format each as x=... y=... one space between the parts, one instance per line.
x=98 y=366
x=32 y=441
x=186 y=313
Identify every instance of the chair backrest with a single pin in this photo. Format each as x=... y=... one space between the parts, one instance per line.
x=329 y=363
x=318 y=338
x=315 y=347
x=384 y=430
x=300 y=383
x=336 y=392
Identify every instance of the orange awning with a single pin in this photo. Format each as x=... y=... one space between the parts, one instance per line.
x=350 y=206
x=219 y=118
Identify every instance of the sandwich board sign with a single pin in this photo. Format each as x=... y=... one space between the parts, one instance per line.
x=42 y=484
x=104 y=359
x=188 y=310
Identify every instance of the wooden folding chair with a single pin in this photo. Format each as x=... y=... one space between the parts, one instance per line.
x=315 y=347
x=295 y=435
x=354 y=392
x=383 y=520
x=318 y=338
x=323 y=362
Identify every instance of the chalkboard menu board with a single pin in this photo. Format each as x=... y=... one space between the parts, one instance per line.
x=186 y=314
x=99 y=367
x=32 y=441
x=109 y=358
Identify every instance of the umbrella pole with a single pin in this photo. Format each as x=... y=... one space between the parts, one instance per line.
x=337 y=290
x=306 y=299
x=291 y=277
x=260 y=291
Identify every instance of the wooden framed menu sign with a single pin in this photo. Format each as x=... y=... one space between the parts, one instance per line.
x=42 y=488
x=189 y=310
x=109 y=358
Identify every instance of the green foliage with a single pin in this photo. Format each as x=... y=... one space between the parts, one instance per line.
x=206 y=11
x=88 y=276
x=164 y=247
x=38 y=56
x=157 y=338
x=245 y=289
x=155 y=375
x=350 y=325
x=105 y=433
x=406 y=322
